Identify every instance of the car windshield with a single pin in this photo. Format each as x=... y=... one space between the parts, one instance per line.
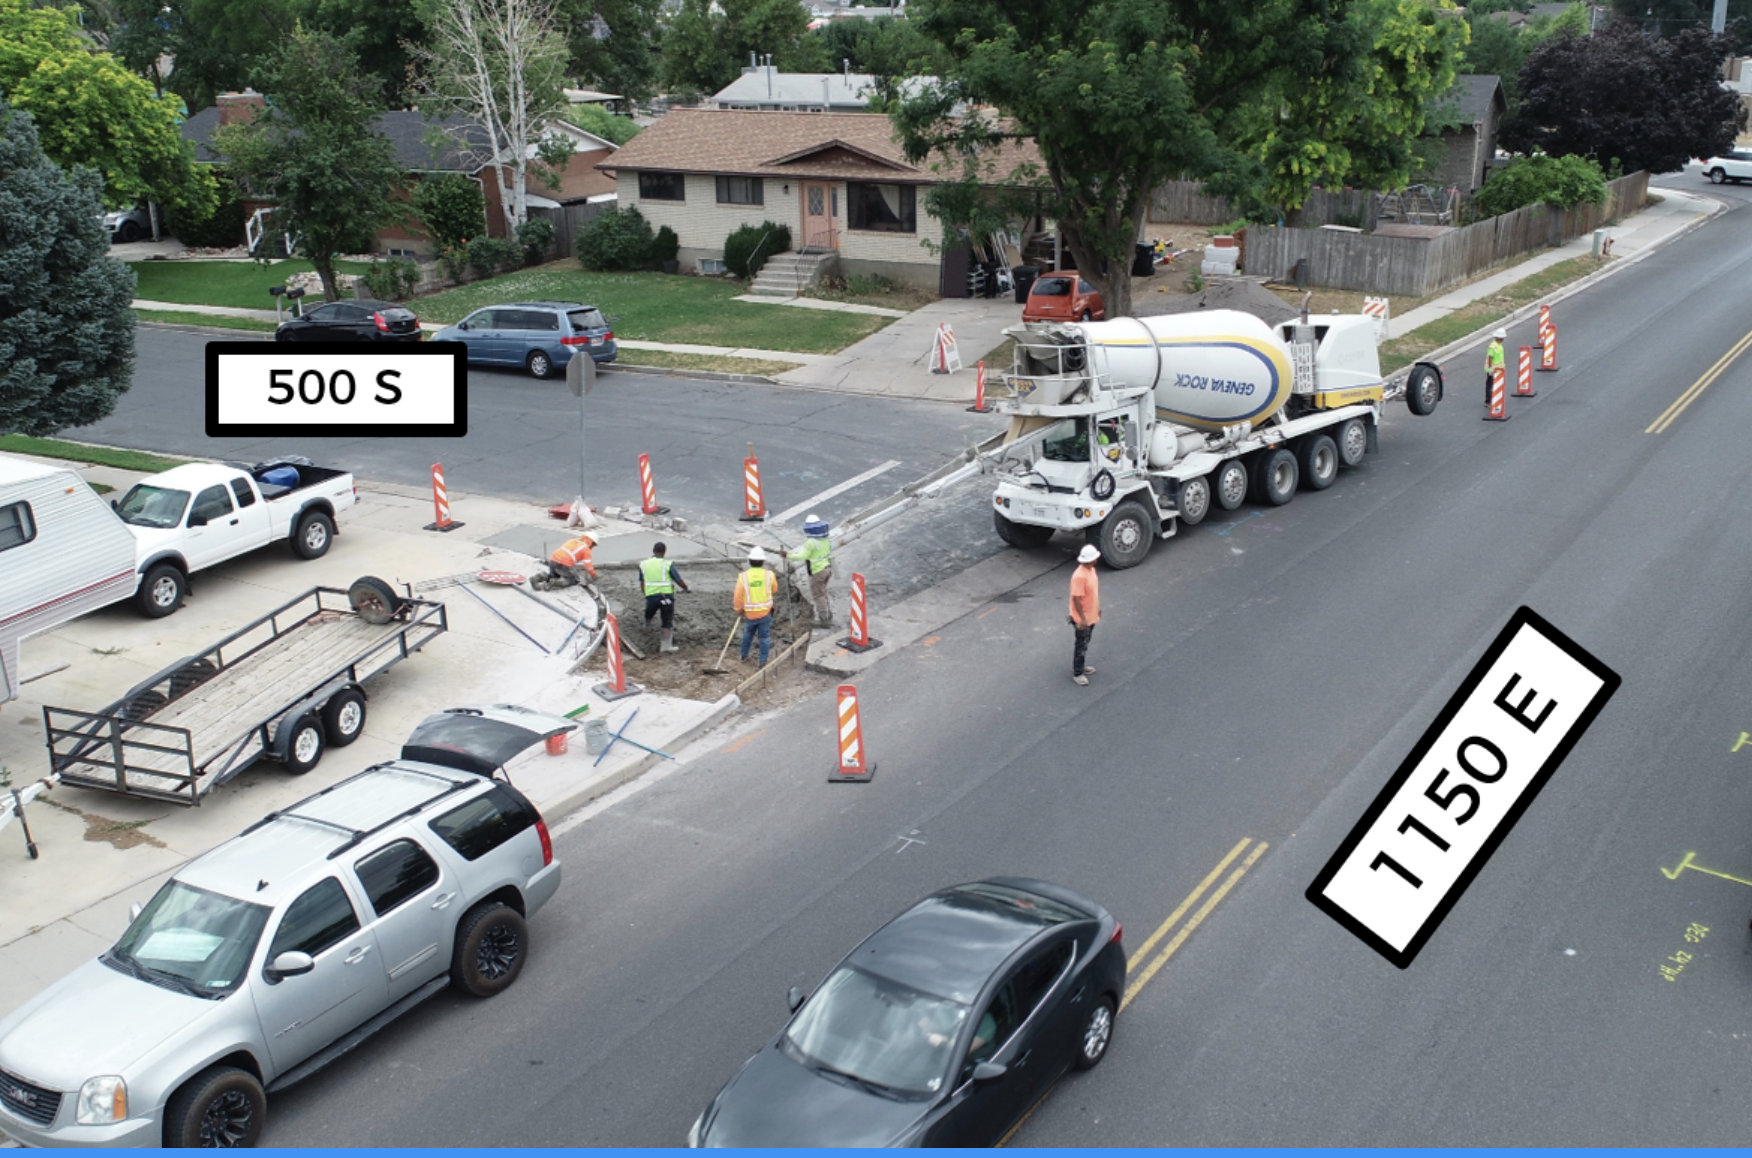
x=877 y=1032
x=587 y=320
x=197 y=940
x=1052 y=287
x=148 y=506
x=1068 y=442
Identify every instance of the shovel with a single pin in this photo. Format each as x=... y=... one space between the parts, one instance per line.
x=719 y=668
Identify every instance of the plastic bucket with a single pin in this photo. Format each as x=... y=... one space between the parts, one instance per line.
x=556 y=745
x=595 y=736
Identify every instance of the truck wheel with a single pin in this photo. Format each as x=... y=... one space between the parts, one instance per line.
x=1230 y=487
x=162 y=591
x=1423 y=390
x=1353 y=442
x=1194 y=500
x=1274 y=477
x=220 y=1106
x=343 y=717
x=305 y=748
x=312 y=536
x=492 y=943
x=1125 y=536
x=375 y=601
x=1317 y=461
x=1020 y=535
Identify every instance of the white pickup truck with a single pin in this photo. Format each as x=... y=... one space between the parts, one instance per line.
x=193 y=516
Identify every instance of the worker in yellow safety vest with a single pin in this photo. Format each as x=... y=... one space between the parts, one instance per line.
x=818 y=559
x=1493 y=361
x=571 y=560
x=753 y=600
x=658 y=579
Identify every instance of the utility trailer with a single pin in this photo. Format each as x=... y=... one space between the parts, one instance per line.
x=287 y=687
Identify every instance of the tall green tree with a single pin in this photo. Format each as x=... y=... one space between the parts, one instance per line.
x=1671 y=17
x=66 y=332
x=709 y=41
x=616 y=45
x=889 y=49
x=90 y=110
x=215 y=44
x=314 y=152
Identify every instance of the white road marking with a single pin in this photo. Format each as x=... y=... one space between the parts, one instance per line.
x=803 y=507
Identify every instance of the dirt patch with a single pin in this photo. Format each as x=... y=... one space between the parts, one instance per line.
x=123 y=834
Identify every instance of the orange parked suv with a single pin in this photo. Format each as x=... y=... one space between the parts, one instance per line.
x=1063 y=297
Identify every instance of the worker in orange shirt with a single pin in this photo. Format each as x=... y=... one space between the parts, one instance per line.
x=1085 y=611
x=753 y=600
x=571 y=561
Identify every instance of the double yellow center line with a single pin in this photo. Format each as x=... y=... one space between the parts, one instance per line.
x=1141 y=977
x=1672 y=412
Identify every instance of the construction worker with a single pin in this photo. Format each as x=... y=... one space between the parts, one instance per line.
x=658 y=579
x=817 y=557
x=571 y=563
x=1493 y=361
x=1085 y=611
x=753 y=600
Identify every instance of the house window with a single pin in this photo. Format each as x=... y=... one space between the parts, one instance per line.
x=662 y=187
x=741 y=191
x=882 y=208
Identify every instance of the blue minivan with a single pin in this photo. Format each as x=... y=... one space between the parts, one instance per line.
x=541 y=337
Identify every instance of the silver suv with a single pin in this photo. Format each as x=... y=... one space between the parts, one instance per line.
x=280 y=950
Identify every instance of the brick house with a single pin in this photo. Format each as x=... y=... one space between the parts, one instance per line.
x=838 y=180
x=407 y=129
x=1466 y=151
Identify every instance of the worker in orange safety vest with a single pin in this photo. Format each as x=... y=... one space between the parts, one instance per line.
x=571 y=560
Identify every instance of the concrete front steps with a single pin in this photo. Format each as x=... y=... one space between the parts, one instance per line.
x=785 y=275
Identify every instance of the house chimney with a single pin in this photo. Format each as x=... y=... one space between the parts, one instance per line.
x=769 y=72
x=239 y=107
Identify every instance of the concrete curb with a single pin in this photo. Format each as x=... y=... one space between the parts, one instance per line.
x=214 y=331
x=561 y=807
x=618 y=367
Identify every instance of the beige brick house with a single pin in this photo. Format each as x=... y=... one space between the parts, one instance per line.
x=838 y=180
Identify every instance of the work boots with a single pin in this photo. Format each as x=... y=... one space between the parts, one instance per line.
x=668 y=643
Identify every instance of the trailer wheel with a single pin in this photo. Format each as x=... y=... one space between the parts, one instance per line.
x=144 y=705
x=1423 y=390
x=1353 y=442
x=305 y=748
x=1317 y=461
x=162 y=591
x=374 y=600
x=1194 y=500
x=1020 y=535
x=191 y=675
x=343 y=717
x=1274 y=477
x=312 y=536
x=1230 y=488
x=1124 y=537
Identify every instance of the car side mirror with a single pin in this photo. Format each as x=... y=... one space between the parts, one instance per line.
x=197 y=520
x=290 y=964
x=462 y=325
x=134 y=911
x=794 y=998
x=988 y=1071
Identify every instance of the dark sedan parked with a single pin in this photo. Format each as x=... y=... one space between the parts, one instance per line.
x=941 y=1029
x=357 y=320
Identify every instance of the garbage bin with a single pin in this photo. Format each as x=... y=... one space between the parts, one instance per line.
x=1024 y=277
x=1143 y=261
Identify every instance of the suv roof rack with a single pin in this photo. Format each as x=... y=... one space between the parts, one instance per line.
x=356 y=836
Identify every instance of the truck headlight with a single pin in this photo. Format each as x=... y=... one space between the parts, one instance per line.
x=102 y=1101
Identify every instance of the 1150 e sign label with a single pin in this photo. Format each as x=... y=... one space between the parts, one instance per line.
x=330 y=388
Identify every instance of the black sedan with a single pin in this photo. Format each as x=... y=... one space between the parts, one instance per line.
x=941 y=1029
x=354 y=320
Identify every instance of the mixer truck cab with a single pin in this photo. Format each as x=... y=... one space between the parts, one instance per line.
x=1124 y=430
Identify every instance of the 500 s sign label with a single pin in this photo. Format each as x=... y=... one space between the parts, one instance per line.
x=329 y=388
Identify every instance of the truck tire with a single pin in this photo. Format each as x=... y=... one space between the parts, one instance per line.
x=1274 y=477
x=1194 y=500
x=304 y=749
x=162 y=591
x=1317 y=461
x=220 y=1106
x=374 y=600
x=1125 y=536
x=313 y=535
x=1229 y=484
x=492 y=943
x=343 y=717
x=1423 y=390
x=1020 y=535
x=1353 y=442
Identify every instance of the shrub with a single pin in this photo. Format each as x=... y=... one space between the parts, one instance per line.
x=536 y=236
x=598 y=120
x=451 y=206
x=220 y=229
x=746 y=250
x=620 y=239
x=392 y=281
x=453 y=260
x=490 y=255
x=1561 y=182
x=870 y=284
x=666 y=246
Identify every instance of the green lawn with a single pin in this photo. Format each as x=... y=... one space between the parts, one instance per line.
x=80 y=452
x=655 y=307
x=217 y=321
x=221 y=283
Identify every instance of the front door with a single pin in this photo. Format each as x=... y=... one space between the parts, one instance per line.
x=300 y=1015
x=820 y=216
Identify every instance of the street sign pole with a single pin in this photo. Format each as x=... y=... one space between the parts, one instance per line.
x=580 y=378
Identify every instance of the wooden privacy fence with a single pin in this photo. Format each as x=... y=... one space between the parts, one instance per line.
x=568 y=221
x=1421 y=266
x=1182 y=203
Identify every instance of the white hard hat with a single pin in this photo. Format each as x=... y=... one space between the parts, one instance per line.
x=756 y=555
x=1500 y=334
x=1088 y=554
x=813 y=519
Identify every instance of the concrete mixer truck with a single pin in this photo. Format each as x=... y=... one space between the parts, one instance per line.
x=1126 y=429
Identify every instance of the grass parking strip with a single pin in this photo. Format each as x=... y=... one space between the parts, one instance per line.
x=1408 y=348
x=212 y=321
x=80 y=452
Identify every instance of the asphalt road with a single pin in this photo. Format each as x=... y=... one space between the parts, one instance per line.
x=1259 y=682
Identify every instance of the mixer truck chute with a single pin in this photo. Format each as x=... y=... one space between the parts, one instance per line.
x=1126 y=429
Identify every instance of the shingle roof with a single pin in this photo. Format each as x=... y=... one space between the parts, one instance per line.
x=1474 y=94
x=831 y=146
x=406 y=130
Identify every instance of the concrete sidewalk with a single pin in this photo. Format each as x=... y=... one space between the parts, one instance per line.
x=895 y=360
x=101 y=852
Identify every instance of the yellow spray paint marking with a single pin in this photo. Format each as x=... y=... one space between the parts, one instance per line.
x=1741 y=742
x=985 y=613
x=1672 y=874
x=745 y=740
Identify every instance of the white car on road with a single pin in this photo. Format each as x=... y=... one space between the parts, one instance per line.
x=1734 y=165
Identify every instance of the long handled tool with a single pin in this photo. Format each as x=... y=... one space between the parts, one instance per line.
x=719 y=668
